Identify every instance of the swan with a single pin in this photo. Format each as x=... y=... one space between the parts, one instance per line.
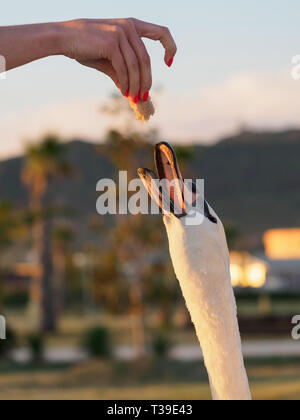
x=200 y=259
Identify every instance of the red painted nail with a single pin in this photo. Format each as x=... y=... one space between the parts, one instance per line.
x=146 y=97
x=170 y=62
x=127 y=94
x=136 y=99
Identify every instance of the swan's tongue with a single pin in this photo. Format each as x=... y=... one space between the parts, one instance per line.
x=168 y=169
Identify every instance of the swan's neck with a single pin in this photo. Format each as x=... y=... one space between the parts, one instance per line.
x=204 y=278
x=221 y=345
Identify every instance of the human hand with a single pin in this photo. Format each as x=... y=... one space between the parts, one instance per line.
x=115 y=47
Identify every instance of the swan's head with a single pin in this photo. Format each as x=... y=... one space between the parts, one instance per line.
x=171 y=192
x=195 y=232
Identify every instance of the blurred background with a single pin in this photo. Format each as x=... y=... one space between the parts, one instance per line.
x=92 y=304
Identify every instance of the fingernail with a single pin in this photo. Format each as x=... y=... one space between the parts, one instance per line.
x=136 y=99
x=170 y=62
x=127 y=94
x=146 y=97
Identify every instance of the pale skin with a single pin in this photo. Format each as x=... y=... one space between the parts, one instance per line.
x=111 y=46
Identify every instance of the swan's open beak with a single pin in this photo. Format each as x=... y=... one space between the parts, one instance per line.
x=171 y=195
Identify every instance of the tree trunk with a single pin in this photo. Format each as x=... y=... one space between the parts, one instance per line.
x=42 y=291
x=48 y=321
x=137 y=318
x=60 y=280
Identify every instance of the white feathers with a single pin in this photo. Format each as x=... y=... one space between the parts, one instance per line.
x=201 y=261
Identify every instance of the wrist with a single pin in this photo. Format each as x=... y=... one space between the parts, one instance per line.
x=56 y=37
x=65 y=35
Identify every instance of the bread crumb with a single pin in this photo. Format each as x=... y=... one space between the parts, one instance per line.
x=143 y=110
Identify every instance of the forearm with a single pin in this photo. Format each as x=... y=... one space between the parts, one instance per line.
x=20 y=45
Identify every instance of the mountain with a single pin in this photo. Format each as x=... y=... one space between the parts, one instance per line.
x=252 y=180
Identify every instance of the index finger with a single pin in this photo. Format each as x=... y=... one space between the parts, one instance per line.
x=158 y=33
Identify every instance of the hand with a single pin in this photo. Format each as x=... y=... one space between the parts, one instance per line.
x=115 y=47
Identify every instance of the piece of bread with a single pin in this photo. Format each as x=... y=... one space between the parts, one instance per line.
x=143 y=110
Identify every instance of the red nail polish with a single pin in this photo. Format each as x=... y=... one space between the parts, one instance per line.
x=136 y=99
x=146 y=97
x=127 y=94
x=170 y=62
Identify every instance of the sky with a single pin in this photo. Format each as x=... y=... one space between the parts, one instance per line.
x=233 y=69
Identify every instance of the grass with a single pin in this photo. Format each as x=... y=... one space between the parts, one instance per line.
x=270 y=379
x=276 y=379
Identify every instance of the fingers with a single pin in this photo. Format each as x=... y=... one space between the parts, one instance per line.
x=120 y=43
x=144 y=65
x=133 y=67
x=120 y=67
x=158 y=33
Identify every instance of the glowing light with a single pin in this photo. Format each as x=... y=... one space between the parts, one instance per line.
x=256 y=275
x=282 y=244
x=247 y=271
x=236 y=275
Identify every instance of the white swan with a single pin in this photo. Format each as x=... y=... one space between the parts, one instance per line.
x=201 y=262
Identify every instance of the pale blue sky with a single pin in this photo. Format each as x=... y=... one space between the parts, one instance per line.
x=217 y=40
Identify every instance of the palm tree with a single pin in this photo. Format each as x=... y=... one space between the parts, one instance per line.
x=44 y=163
x=132 y=240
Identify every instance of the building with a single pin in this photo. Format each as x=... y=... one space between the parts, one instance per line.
x=282 y=254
